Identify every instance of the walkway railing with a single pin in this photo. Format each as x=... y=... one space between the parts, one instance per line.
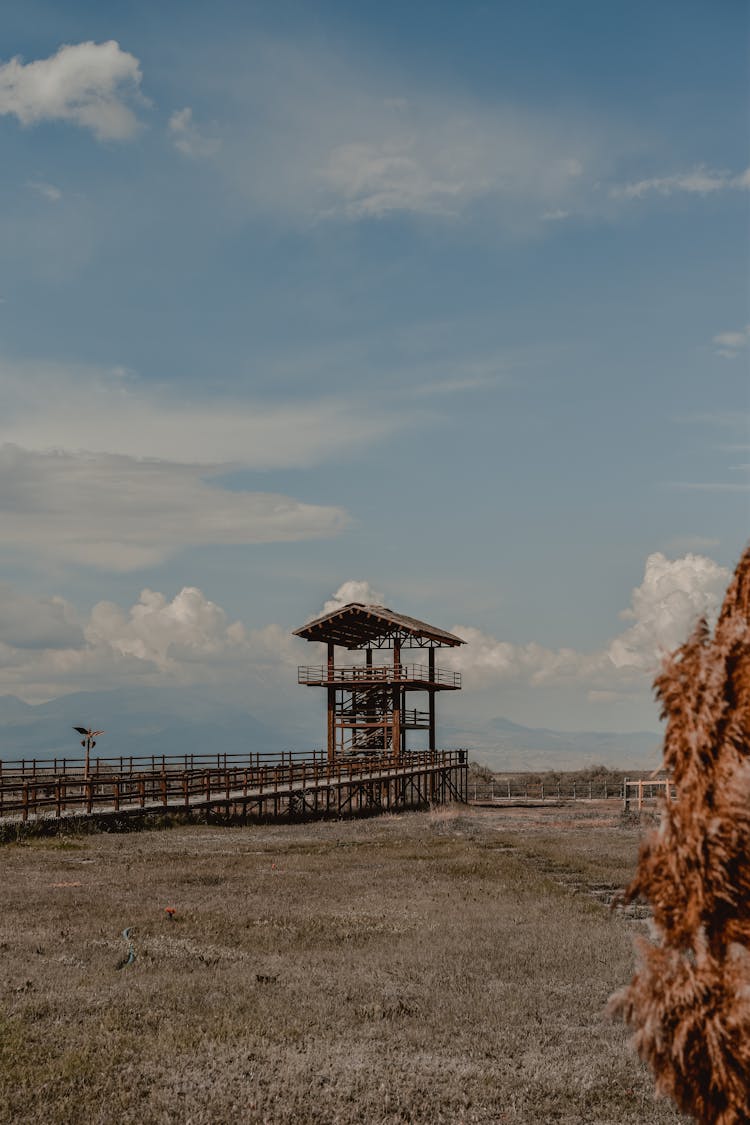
x=34 y=789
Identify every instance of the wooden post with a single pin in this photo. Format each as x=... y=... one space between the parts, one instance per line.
x=331 y=703
x=397 y=692
x=432 y=741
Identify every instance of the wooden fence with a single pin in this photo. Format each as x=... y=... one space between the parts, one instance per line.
x=637 y=793
x=519 y=789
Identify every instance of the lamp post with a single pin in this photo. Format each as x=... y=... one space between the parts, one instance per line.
x=88 y=742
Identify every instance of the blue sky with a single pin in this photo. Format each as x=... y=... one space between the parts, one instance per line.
x=447 y=300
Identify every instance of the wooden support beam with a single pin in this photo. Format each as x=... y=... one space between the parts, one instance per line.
x=396 y=719
x=331 y=706
x=431 y=695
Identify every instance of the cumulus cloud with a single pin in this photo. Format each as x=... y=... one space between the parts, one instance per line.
x=88 y=84
x=698 y=181
x=187 y=629
x=664 y=608
x=159 y=641
x=52 y=407
x=353 y=590
x=188 y=138
x=730 y=344
x=118 y=513
x=487 y=659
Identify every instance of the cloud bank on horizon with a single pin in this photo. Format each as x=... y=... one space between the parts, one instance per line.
x=448 y=310
x=50 y=650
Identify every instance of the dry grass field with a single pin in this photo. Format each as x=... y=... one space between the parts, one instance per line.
x=436 y=967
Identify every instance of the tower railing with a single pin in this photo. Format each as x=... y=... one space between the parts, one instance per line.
x=377 y=673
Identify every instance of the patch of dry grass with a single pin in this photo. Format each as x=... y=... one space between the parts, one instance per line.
x=421 y=968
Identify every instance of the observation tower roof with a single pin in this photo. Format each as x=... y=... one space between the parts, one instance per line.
x=357 y=625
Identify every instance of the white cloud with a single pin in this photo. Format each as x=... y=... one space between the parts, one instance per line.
x=373 y=180
x=158 y=641
x=729 y=344
x=186 y=629
x=320 y=136
x=440 y=164
x=188 y=138
x=46 y=191
x=354 y=590
x=486 y=660
x=698 y=181
x=327 y=139
x=84 y=83
x=665 y=607
x=50 y=407
x=118 y=513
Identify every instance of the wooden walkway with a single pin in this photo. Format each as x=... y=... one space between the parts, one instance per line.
x=253 y=786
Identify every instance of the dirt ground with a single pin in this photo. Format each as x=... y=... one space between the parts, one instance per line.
x=450 y=966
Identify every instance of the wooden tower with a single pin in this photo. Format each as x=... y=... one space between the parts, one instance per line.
x=367 y=703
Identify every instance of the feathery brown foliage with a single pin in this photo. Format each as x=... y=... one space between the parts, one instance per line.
x=690 y=999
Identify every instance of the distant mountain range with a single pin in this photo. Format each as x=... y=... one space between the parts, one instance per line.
x=503 y=745
x=183 y=721
x=155 y=721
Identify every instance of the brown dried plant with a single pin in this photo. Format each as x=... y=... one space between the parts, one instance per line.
x=689 y=1000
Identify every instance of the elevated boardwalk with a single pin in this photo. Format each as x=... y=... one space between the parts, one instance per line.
x=252 y=786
